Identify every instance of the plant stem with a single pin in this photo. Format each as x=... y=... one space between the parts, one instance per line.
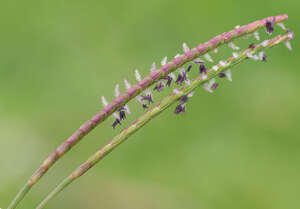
x=150 y=114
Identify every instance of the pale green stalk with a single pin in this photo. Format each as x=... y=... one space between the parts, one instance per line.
x=131 y=93
x=150 y=114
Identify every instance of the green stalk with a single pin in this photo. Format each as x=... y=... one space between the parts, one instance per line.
x=139 y=87
x=156 y=110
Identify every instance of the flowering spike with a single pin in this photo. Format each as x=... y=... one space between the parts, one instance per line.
x=228 y=75
x=164 y=61
x=256 y=35
x=104 y=101
x=233 y=46
x=208 y=57
x=117 y=90
x=185 y=47
x=138 y=75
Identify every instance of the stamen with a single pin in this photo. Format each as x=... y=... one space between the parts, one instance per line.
x=256 y=35
x=198 y=61
x=185 y=47
x=208 y=57
x=137 y=75
x=280 y=24
x=153 y=67
x=117 y=90
x=164 y=61
x=104 y=101
x=228 y=75
x=288 y=45
x=233 y=46
x=127 y=84
x=270 y=27
x=215 y=67
x=235 y=54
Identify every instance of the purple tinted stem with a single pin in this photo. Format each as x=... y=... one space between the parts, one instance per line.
x=138 y=88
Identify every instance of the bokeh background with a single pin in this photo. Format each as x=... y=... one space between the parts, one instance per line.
x=236 y=148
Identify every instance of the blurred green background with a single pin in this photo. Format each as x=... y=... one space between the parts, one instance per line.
x=236 y=148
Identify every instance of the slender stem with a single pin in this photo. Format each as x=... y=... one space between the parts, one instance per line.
x=150 y=114
x=20 y=196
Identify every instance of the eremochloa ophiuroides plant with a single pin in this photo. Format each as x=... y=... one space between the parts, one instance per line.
x=164 y=77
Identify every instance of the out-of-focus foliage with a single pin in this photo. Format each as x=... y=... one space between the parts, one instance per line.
x=236 y=148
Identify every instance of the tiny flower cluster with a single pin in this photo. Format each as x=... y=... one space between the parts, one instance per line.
x=146 y=98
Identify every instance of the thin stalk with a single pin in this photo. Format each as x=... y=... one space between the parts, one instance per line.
x=150 y=114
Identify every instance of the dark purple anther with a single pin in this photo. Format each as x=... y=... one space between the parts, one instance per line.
x=264 y=58
x=251 y=46
x=180 y=109
x=181 y=78
x=189 y=68
x=116 y=122
x=214 y=86
x=145 y=106
x=159 y=87
x=147 y=98
x=122 y=115
x=222 y=75
x=169 y=80
x=202 y=69
x=183 y=99
x=270 y=27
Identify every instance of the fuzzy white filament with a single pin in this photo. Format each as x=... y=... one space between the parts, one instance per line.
x=185 y=47
x=137 y=75
x=172 y=75
x=256 y=35
x=177 y=55
x=228 y=75
x=208 y=57
x=117 y=90
x=222 y=63
x=235 y=54
x=127 y=84
x=233 y=46
x=265 y=43
x=104 y=101
x=153 y=67
x=164 y=61
x=215 y=67
x=280 y=24
x=288 y=45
